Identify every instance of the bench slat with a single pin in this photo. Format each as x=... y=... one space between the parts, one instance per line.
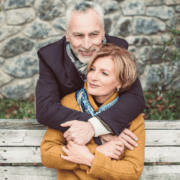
x=27 y=173
x=169 y=172
x=32 y=154
x=34 y=137
x=33 y=124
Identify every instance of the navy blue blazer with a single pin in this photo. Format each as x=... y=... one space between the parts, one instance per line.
x=59 y=77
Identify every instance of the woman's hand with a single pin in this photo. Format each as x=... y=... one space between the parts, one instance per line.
x=77 y=154
x=126 y=137
x=111 y=149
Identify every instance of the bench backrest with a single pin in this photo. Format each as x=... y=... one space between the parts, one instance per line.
x=20 y=141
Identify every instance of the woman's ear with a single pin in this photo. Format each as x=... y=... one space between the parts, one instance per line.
x=119 y=87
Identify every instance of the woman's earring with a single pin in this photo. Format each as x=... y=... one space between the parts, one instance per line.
x=117 y=89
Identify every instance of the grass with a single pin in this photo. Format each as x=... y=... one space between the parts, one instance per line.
x=17 y=109
x=164 y=107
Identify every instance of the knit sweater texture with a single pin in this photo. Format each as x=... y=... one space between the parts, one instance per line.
x=128 y=167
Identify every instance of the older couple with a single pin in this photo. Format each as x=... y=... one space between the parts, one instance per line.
x=94 y=147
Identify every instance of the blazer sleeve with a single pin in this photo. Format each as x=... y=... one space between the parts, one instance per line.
x=130 y=104
x=49 y=110
x=131 y=164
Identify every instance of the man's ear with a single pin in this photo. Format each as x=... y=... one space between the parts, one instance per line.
x=103 y=33
x=66 y=34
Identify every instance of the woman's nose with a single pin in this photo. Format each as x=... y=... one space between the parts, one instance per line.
x=94 y=76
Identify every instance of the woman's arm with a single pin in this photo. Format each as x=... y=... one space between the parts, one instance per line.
x=51 y=150
x=100 y=166
x=130 y=166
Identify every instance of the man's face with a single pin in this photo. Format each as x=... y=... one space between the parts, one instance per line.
x=85 y=34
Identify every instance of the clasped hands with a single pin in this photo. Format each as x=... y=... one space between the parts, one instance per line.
x=80 y=133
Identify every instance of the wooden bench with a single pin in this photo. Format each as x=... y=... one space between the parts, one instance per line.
x=20 y=141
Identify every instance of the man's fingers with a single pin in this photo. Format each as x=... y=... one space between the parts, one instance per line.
x=130 y=134
x=126 y=144
x=129 y=140
x=66 y=124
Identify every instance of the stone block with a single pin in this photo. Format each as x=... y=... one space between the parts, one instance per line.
x=39 y=29
x=19 y=88
x=46 y=42
x=178 y=8
x=138 y=40
x=172 y=22
x=1 y=60
x=163 y=12
x=134 y=51
x=149 y=77
x=154 y=2
x=110 y=7
x=133 y=7
x=15 y=46
x=10 y=4
x=48 y=10
x=2 y=18
x=160 y=39
x=20 y=16
x=7 y=31
x=4 y=78
x=59 y=24
x=124 y=26
x=144 y=53
x=171 y=2
x=107 y=24
x=146 y=25
x=22 y=66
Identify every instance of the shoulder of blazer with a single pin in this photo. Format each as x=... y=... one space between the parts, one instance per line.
x=52 y=52
x=116 y=41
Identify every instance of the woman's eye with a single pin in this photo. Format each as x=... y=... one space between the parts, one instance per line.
x=105 y=74
x=91 y=69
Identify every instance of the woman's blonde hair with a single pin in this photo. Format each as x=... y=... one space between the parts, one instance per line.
x=125 y=63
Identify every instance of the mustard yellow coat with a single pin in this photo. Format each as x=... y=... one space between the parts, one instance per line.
x=128 y=167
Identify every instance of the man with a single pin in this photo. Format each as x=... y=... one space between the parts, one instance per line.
x=62 y=71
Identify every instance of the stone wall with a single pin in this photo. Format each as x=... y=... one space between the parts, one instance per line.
x=27 y=25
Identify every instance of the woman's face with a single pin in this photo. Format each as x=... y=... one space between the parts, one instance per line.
x=102 y=79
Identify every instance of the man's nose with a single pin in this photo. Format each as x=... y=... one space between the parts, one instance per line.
x=87 y=43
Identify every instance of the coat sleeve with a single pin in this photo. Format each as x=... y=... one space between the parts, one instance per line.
x=130 y=104
x=49 y=110
x=51 y=148
x=129 y=167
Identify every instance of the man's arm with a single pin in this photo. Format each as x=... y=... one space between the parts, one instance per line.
x=49 y=110
x=130 y=104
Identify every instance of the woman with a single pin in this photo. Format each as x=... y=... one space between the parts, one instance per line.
x=112 y=70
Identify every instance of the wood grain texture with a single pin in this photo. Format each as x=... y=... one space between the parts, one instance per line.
x=32 y=154
x=169 y=172
x=33 y=124
x=34 y=137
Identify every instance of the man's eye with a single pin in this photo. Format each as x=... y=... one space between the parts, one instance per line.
x=78 y=35
x=94 y=34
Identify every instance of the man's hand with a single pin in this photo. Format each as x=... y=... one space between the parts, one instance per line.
x=79 y=132
x=111 y=149
x=126 y=137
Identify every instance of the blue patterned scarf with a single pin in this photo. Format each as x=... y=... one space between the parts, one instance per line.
x=82 y=100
